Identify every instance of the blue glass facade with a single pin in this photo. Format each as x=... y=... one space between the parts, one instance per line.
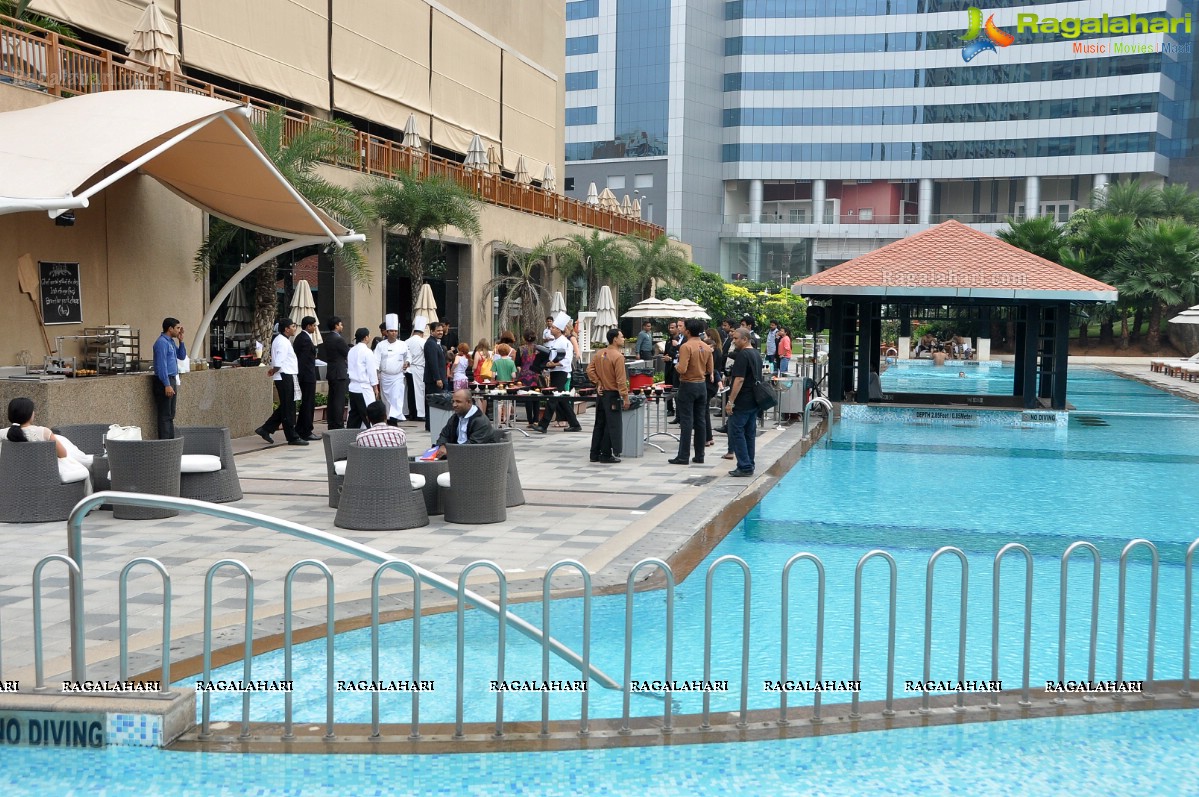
x=582 y=9
x=582 y=45
x=581 y=81
x=879 y=151
x=798 y=9
x=642 y=76
x=585 y=115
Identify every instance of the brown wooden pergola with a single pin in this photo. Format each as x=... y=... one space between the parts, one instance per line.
x=957 y=266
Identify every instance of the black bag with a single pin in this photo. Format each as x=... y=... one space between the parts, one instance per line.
x=764 y=397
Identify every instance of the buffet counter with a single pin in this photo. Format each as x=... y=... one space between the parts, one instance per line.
x=240 y=398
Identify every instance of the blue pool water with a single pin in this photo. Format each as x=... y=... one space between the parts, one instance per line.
x=1123 y=468
x=1151 y=753
x=921 y=376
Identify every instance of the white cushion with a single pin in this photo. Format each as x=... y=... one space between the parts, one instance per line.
x=199 y=463
x=70 y=471
x=339 y=467
x=443 y=479
x=418 y=481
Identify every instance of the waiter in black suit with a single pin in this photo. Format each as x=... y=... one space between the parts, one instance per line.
x=305 y=350
x=334 y=350
x=435 y=374
x=670 y=355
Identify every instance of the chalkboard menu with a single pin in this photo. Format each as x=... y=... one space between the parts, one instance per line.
x=61 y=300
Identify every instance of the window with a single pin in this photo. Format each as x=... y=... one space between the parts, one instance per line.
x=582 y=9
x=581 y=81
x=865 y=214
x=581 y=116
x=582 y=45
x=643 y=181
x=616 y=182
x=569 y=184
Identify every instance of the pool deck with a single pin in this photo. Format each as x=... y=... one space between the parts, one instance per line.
x=606 y=516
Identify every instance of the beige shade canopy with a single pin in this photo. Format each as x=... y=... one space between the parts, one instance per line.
x=201 y=148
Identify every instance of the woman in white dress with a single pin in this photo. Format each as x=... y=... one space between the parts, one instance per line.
x=73 y=464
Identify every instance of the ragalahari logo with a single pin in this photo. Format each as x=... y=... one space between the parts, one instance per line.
x=991 y=35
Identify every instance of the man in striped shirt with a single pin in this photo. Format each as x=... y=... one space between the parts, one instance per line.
x=379 y=434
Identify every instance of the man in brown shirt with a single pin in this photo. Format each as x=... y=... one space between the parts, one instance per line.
x=694 y=371
x=607 y=373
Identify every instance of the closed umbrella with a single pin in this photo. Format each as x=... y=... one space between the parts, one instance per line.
x=153 y=41
x=605 y=317
x=549 y=181
x=238 y=317
x=476 y=156
x=559 y=304
x=592 y=195
x=637 y=208
x=522 y=171
x=626 y=207
x=412 y=133
x=302 y=304
x=426 y=305
x=493 y=160
x=608 y=201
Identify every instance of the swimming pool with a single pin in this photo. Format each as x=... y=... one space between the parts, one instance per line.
x=970 y=376
x=908 y=489
x=1147 y=753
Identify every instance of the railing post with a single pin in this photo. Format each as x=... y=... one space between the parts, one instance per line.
x=500 y=646
x=288 y=583
x=1186 y=621
x=960 y=704
x=123 y=615
x=1146 y=692
x=247 y=653
x=75 y=575
x=545 y=648
x=745 y=614
x=406 y=568
x=1025 y=700
x=53 y=65
x=667 y=727
x=784 y=633
x=1061 y=621
x=857 y=632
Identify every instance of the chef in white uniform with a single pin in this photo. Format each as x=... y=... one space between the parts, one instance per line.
x=392 y=354
x=416 y=363
x=364 y=378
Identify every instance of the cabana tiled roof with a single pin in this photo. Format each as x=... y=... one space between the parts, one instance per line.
x=953 y=260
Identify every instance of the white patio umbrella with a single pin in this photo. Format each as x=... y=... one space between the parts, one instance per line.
x=476 y=156
x=626 y=206
x=673 y=307
x=646 y=308
x=559 y=304
x=608 y=201
x=1187 y=316
x=605 y=318
x=592 y=195
x=494 y=164
x=549 y=181
x=696 y=310
x=303 y=304
x=153 y=41
x=412 y=133
x=522 y=171
x=637 y=208
x=426 y=305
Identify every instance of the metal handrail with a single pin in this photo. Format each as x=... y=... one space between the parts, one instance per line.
x=39 y=683
x=545 y=651
x=288 y=583
x=1061 y=621
x=928 y=625
x=409 y=569
x=500 y=647
x=123 y=614
x=785 y=633
x=857 y=632
x=745 y=613
x=667 y=726
x=1186 y=620
x=75 y=551
x=1147 y=686
x=818 y=401
x=1011 y=547
x=247 y=655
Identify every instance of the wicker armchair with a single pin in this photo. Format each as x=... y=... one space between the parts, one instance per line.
x=515 y=495
x=30 y=489
x=218 y=487
x=477 y=489
x=89 y=437
x=377 y=493
x=145 y=466
x=337 y=447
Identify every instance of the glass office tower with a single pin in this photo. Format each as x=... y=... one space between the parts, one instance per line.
x=819 y=130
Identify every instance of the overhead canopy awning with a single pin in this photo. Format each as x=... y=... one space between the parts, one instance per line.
x=56 y=156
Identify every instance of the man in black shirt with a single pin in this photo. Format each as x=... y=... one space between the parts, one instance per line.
x=742 y=409
x=305 y=350
x=435 y=375
x=334 y=350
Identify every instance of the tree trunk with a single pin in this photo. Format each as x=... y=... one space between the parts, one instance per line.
x=1155 y=326
x=1123 y=330
x=266 y=306
x=414 y=258
x=1138 y=319
x=1082 y=332
x=1009 y=335
x=1107 y=334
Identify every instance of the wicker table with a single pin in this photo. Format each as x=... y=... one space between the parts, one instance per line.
x=431 y=470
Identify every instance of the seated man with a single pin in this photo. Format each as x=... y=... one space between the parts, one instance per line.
x=379 y=434
x=466 y=425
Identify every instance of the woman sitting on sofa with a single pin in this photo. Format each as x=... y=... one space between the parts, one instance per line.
x=73 y=464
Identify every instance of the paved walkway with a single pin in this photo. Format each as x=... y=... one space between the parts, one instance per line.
x=606 y=516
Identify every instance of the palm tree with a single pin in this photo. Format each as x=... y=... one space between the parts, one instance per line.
x=1177 y=201
x=520 y=285
x=659 y=260
x=296 y=157
x=597 y=259
x=1040 y=235
x=1093 y=248
x=423 y=206
x=1130 y=198
x=1160 y=266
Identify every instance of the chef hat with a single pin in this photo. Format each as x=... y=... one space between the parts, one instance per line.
x=392 y=321
x=419 y=324
x=561 y=320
